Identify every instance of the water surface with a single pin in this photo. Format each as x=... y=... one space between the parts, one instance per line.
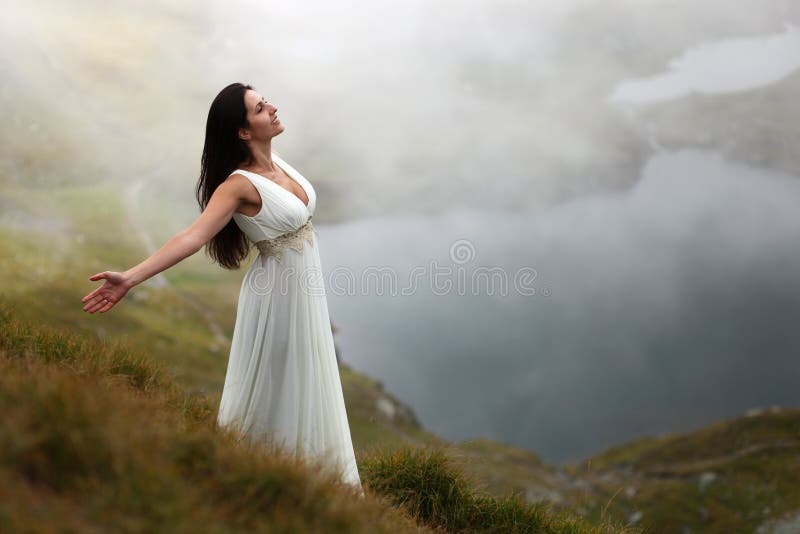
x=658 y=309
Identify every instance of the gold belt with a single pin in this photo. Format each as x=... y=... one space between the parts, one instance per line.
x=293 y=240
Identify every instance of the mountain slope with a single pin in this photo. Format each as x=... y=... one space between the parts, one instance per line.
x=99 y=437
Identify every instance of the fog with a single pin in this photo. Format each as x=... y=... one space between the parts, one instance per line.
x=389 y=107
x=640 y=155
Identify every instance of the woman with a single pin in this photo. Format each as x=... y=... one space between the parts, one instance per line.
x=282 y=381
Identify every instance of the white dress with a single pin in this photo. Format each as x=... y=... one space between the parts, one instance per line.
x=282 y=381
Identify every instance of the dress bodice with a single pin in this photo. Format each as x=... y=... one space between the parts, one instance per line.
x=281 y=210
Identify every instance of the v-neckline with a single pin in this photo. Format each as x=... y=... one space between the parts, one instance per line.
x=300 y=200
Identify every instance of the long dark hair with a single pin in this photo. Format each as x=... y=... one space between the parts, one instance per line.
x=223 y=151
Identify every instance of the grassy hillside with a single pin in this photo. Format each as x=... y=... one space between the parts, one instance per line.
x=99 y=437
x=45 y=271
x=738 y=475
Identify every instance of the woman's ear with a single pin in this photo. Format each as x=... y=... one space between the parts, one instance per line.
x=244 y=134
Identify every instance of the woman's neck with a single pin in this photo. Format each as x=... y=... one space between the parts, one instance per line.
x=261 y=157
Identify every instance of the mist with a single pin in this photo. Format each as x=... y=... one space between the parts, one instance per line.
x=640 y=155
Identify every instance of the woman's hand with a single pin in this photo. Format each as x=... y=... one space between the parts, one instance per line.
x=106 y=296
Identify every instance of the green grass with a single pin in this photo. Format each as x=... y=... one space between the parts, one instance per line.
x=108 y=444
x=751 y=465
x=45 y=274
x=436 y=490
x=97 y=436
x=718 y=439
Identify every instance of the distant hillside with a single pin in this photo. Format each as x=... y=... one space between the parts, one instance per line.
x=738 y=475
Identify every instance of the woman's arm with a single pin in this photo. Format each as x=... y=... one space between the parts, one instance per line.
x=221 y=207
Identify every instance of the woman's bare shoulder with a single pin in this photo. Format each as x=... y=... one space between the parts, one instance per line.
x=237 y=182
x=240 y=187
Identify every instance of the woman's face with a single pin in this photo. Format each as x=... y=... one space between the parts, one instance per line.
x=262 y=116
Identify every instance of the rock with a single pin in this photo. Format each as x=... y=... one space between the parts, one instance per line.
x=386 y=407
x=539 y=493
x=706 y=478
x=788 y=524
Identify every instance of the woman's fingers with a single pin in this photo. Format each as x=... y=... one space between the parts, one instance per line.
x=98 y=304
x=94 y=293
x=91 y=295
x=95 y=300
x=94 y=305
